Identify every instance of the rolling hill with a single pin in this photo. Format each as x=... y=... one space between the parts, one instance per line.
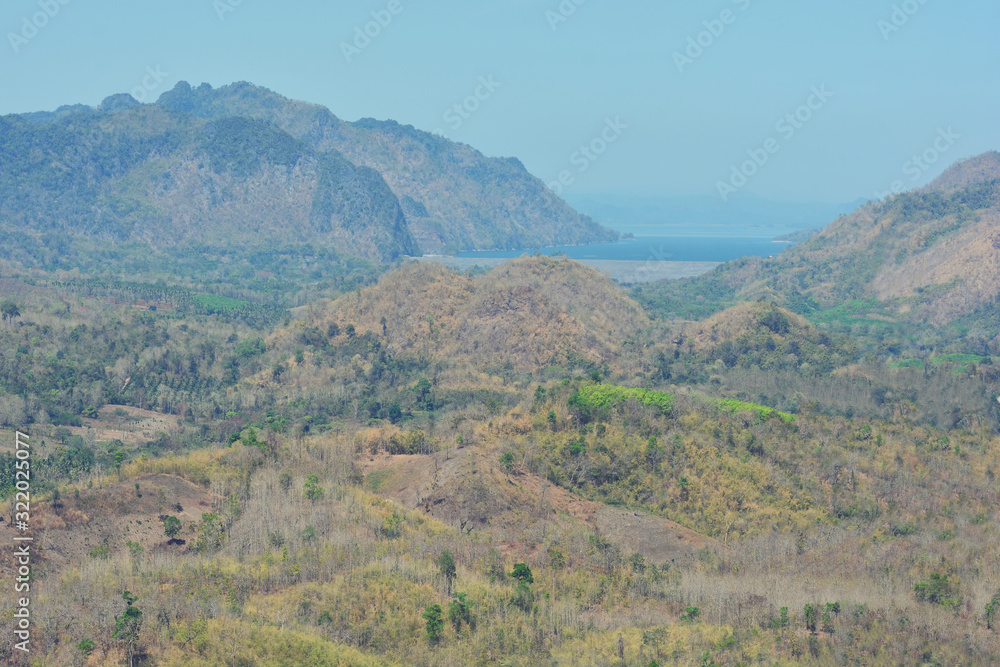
x=529 y=313
x=520 y=459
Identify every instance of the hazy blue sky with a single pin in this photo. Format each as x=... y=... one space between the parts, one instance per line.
x=561 y=80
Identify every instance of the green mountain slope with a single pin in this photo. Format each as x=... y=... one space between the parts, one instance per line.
x=455 y=198
x=126 y=172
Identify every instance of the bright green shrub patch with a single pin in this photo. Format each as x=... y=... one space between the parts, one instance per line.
x=763 y=412
x=960 y=359
x=598 y=400
x=217 y=304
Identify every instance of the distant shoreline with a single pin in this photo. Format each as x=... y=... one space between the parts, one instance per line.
x=621 y=270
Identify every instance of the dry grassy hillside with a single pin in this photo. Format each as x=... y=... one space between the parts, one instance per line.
x=962 y=174
x=746 y=318
x=933 y=251
x=467 y=488
x=528 y=313
x=962 y=272
x=931 y=255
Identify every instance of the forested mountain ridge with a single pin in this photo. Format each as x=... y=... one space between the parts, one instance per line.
x=131 y=173
x=928 y=255
x=455 y=198
x=242 y=166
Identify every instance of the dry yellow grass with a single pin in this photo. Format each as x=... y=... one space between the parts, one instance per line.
x=530 y=313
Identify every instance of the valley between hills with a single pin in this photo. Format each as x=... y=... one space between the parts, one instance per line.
x=292 y=444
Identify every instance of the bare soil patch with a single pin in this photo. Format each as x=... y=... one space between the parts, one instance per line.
x=109 y=517
x=468 y=491
x=135 y=427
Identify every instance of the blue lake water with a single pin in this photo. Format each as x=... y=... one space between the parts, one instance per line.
x=656 y=248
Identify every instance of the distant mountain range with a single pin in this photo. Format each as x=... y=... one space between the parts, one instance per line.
x=930 y=255
x=243 y=165
x=742 y=215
